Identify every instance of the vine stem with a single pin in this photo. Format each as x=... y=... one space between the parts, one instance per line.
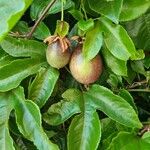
x=139 y=90
x=29 y=35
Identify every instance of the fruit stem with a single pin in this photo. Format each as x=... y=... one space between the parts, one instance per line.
x=62 y=10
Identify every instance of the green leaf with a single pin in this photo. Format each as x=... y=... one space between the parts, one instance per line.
x=143 y=36
x=114 y=80
x=28 y=119
x=147 y=62
x=62 y=28
x=84 y=132
x=42 y=86
x=38 y=6
x=127 y=96
x=21 y=27
x=110 y=9
x=42 y=31
x=139 y=31
x=117 y=66
x=128 y=141
x=118 y=41
x=76 y=14
x=146 y=137
x=13 y=73
x=6 y=142
x=10 y=13
x=113 y=106
x=85 y=25
x=108 y=128
x=138 y=67
x=5 y=58
x=133 y=9
x=63 y=110
x=93 y=42
x=23 y=48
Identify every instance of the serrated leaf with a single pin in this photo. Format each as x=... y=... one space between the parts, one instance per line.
x=23 y=48
x=93 y=42
x=13 y=73
x=42 y=86
x=113 y=106
x=6 y=142
x=110 y=9
x=128 y=140
x=118 y=42
x=38 y=6
x=10 y=13
x=81 y=134
x=63 y=110
x=133 y=9
x=42 y=31
x=28 y=119
x=117 y=66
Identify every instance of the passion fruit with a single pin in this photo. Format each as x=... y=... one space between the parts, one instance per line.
x=55 y=56
x=83 y=71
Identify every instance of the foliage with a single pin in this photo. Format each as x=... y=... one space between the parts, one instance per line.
x=45 y=108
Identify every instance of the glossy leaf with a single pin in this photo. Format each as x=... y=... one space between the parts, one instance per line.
x=76 y=14
x=63 y=110
x=42 y=31
x=127 y=96
x=28 y=119
x=93 y=42
x=42 y=86
x=10 y=13
x=103 y=99
x=23 y=48
x=133 y=9
x=5 y=58
x=118 y=42
x=128 y=141
x=38 y=6
x=13 y=73
x=84 y=132
x=110 y=9
x=6 y=142
x=86 y=25
x=117 y=66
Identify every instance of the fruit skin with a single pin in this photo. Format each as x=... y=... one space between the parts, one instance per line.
x=83 y=71
x=55 y=57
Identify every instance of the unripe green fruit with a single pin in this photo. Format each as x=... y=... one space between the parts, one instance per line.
x=83 y=71
x=55 y=57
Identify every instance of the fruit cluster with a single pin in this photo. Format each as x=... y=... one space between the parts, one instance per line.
x=58 y=55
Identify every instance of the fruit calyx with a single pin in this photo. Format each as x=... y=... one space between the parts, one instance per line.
x=64 y=42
